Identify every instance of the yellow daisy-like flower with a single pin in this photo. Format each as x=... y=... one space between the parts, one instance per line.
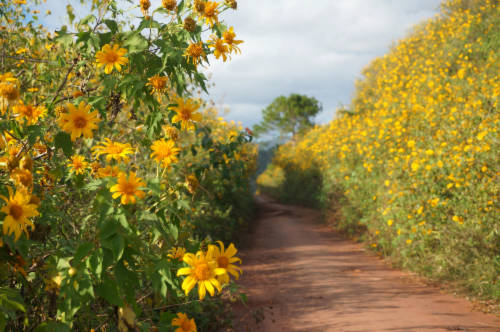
x=165 y=152
x=78 y=165
x=29 y=113
x=8 y=77
x=225 y=260
x=192 y=183
x=211 y=12
x=186 y=113
x=220 y=49
x=177 y=253
x=108 y=171
x=203 y=271
x=169 y=4
x=111 y=57
x=194 y=52
x=184 y=323
x=157 y=83
x=113 y=150
x=144 y=4
x=78 y=121
x=171 y=132
x=229 y=38
x=18 y=210
x=128 y=188
x=8 y=95
x=22 y=177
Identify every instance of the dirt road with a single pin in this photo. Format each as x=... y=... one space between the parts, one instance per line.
x=301 y=276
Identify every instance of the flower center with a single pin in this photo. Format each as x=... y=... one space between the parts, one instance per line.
x=80 y=122
x=223 y=262
x=202 y=272
x=128 y=188
x=16 y=211
x=111 y=57
x=185 y=114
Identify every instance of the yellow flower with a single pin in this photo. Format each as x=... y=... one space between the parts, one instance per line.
x=186 y=113
x=210 y=13
x=171 y=132
x=8 y=95
x=177 y=253
x=128 y=188
x=165 y=152
x=194 y=52
x=169 y=4
x=18 y=210
x=157 y=83
x=184 y=323
x=78 y=164
x=229 y=38
x=108 y=171
x=111 y=58
x=224 y=259
x=113 y=150
x=192 y=183
x=22 y=177
x=144 y=4
x=29 y=113
x=203 y=271
x=78 y=121
x=220 y=49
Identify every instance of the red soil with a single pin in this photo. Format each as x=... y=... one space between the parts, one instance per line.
x=300 y=275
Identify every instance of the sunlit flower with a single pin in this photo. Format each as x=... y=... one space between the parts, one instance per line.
x=113 y=150
x=18 y=210
x=177 y=253
x=186 y=113
x=170 y=5
x=211 y=12
x=225 y=260
x=8 y=95
x=203 y=271
x=165 y=152
x=144 y=4
x=220 y=49
x=184 y=323
x=108 y=171
x=229 y=38
x=29 y=113
x=111 y=57
x=194 y=52
x=157 y=83
x=79 y=121
x=128 y=188
x=78 y=165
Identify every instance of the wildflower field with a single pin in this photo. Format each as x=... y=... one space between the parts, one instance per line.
x=121 y=189
x=411 y=167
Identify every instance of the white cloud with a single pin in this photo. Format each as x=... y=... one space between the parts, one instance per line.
x=315 y=47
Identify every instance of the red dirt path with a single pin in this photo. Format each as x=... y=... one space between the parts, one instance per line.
x=302 y=276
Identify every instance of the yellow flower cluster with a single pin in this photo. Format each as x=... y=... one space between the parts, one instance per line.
x=418 y=150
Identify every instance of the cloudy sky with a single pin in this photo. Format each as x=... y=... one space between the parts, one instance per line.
x=317 y=48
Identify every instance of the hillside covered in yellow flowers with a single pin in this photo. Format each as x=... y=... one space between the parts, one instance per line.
x=412 y=166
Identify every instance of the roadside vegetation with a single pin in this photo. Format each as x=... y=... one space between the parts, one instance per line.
x=411 y=167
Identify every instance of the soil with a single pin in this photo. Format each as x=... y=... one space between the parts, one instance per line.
x=300 y=275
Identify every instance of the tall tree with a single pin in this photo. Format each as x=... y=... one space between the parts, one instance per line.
x=288 y=115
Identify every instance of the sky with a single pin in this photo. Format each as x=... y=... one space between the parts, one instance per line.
x=317 y=48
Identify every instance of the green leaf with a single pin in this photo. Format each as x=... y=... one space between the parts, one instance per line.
x=93 y=185
x=136 y=43
x=83 y=250
x=116 y=244
x=112 y=25
x=52 y=327
x=108 y=290
x=63 y=141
